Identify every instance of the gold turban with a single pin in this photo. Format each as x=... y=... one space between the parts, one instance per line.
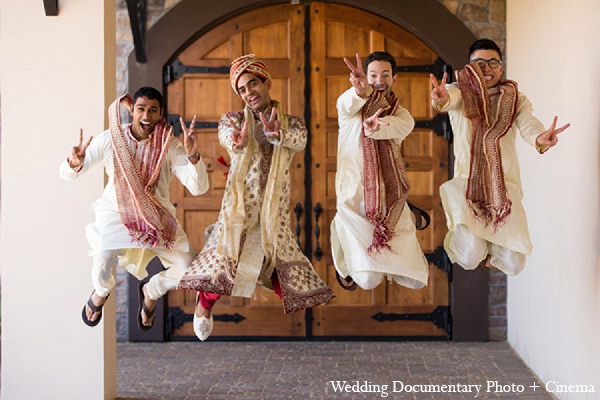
x=247 y=63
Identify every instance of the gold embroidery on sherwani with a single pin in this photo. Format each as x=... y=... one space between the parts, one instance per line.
x=486 y=190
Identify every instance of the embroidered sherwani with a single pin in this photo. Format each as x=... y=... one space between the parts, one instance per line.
x=351 y=231
x=109 y=238
x=514 y=235
x=244 y=250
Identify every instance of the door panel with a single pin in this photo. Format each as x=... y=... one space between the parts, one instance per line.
x=389 y=310
x=271 y=34
x=276 y=34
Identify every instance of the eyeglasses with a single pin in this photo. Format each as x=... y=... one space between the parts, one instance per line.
x=492 y=62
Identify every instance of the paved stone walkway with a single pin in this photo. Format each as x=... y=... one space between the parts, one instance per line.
x=305 y=370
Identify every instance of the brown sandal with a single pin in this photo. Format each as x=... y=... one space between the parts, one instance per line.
x=94 y=309
x=422 y=218
x=142 y=306
x=346 y=283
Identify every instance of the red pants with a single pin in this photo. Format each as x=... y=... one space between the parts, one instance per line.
x=208 y=300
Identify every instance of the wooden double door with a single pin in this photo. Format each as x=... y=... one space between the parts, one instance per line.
x=303 y=46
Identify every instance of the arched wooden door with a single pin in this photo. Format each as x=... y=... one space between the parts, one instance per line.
x=303 y=47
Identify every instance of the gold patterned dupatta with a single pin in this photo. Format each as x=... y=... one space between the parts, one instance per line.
x=233 y=213
x=385 y=181
x=148 y=222
x=486 y=190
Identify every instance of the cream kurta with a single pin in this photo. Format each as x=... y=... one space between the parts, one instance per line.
x=266 y=244
x=108 y=232
x=351 y=231
x=514 y=235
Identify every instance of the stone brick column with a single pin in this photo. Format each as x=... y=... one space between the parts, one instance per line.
x=487 y=19
x=156 y=9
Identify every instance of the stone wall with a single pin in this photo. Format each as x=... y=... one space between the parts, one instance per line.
x=155 y=10
x=485 y=18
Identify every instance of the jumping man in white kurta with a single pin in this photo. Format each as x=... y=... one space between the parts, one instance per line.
x=373 y=236
x=486 y=219
x=134 y=218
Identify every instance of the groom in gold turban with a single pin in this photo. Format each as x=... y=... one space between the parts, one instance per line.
x=251 y=243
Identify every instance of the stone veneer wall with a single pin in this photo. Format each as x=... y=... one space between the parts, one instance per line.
x=155 y=10
x=485 y=18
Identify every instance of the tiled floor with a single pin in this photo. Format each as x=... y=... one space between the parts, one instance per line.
x=318 y=370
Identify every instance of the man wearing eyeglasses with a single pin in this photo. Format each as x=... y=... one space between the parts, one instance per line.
x=485 y=217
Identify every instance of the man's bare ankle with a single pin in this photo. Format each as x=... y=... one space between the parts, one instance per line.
x=202 y=312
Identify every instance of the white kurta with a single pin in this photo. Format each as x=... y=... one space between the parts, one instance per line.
x=351 y=231
x=514 y=235
x=108 y=232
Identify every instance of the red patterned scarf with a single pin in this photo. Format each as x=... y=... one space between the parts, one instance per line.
x=386 y=185
x=148 y=222
x=486 y=190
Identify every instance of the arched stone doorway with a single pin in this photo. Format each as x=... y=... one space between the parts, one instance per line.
x=428 y=20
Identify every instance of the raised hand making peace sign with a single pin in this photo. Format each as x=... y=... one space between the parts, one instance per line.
x=439 y=94
x=373 y=123
x=549 y=138
x=271 y=127
x=239 y=137
x=190 y=142
x=357 y=76
x=78 y=152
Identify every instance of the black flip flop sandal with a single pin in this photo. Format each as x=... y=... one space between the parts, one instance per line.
x=346 y=283
x=422 y=218
x=94 y=309
x=142 y=306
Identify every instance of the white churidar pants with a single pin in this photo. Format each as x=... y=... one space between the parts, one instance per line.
x=368 y=280
x=175 y=263
x=468 y=250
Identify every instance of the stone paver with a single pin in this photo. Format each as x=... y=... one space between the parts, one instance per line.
x=306 y=370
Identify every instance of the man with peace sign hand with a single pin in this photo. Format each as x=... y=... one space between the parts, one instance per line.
x=373 y=234
x=251 y=244
x=485 y=217
x=135 y=220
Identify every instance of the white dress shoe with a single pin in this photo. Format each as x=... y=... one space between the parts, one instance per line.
x=203 y=326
